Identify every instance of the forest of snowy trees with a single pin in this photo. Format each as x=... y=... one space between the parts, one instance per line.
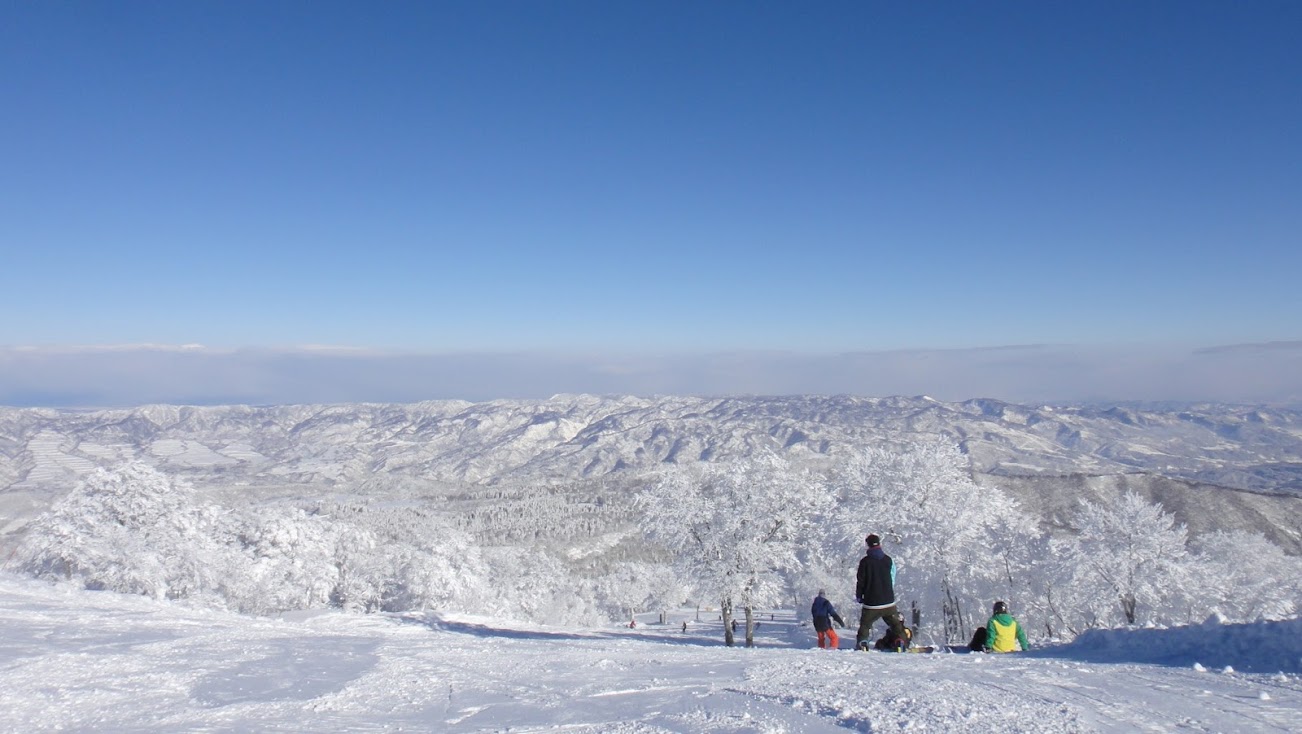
x=737 y=536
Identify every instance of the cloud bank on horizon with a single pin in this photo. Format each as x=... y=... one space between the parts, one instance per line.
x=93 y=377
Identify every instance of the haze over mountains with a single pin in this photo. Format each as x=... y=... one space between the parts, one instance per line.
x=119 y=376
x=1047 y=456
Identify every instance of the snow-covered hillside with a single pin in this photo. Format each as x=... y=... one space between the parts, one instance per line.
x=584 y=436
x=1045 y=456
x=547 y=511
x=88 y=661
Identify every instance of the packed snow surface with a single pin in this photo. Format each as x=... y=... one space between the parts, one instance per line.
x=97 y=661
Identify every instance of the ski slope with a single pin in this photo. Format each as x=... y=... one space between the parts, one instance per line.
x=96 y=661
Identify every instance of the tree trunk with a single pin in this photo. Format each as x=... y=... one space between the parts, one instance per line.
x=1128 y=604
x=955 y=630
x=726 y=608
x=750 y=627
x=1052 y=613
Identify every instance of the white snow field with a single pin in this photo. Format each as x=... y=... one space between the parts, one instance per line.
x=74 y=660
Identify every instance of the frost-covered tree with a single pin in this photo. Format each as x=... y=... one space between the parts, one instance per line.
x=1244 y=577
x=131 y=530
x=535 y=584
x=277 y=558
x=626 y=588
x=362 y=569
x=135 y=530
x=734 y=526
x=955 y=544
x=1129 y=555
x=668 y=589
x=1044 y=590
x=401 y=557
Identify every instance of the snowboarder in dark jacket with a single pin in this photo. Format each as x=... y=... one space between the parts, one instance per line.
x=824 y=614
x=875 y=591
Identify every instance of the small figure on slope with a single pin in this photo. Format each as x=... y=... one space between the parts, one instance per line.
x=824 y=614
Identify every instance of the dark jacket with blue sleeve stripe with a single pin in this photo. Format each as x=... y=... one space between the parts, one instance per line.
x=876 y=580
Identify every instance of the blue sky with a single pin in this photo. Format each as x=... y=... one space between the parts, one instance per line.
x=658 y=178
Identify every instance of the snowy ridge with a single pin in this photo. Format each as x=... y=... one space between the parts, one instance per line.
x=573 y=436
x=1046 y=456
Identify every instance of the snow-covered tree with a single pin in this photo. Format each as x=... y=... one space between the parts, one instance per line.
x=277 y=558
x=955 y=544
x=135 y=530
x=1130 y=556
x=734 y=526
x=532 y=583
x=1244 y=577
x=668 y=589
x=1043 y=589
x=401 y=557
x=626 y=588
x=130 y=529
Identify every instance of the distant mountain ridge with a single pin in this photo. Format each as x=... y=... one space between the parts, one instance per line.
x=584 y=436
x=1047 y=456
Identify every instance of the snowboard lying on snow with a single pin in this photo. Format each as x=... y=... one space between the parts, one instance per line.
x=924 y=648
x=912 y=648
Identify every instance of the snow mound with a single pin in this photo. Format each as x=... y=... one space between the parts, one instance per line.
x=1260 y=647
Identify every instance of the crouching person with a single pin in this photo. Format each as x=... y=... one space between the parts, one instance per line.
x=1003 y=633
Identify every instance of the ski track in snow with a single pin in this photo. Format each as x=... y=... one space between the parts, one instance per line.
x=94 y=661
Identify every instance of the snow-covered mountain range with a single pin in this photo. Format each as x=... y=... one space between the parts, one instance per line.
x=1045 y=455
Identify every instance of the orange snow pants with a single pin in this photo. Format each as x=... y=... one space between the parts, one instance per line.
x=828 y=635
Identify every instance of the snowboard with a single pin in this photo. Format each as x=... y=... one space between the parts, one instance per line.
x=866 y=647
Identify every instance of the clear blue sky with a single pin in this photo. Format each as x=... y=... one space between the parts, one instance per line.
x=677 y=176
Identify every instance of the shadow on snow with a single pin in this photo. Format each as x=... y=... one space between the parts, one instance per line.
x=668 y=637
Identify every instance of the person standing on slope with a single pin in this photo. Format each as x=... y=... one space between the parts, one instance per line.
x=1003 y=633
x=875 y=591
x=824 y=614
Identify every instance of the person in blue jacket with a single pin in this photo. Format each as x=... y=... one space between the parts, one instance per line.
x=824 y=614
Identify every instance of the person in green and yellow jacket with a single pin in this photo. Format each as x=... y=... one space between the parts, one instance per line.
x=1003 y=633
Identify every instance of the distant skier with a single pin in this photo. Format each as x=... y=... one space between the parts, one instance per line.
x=1003 y=633
x=875 y=591
x=824 y=614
